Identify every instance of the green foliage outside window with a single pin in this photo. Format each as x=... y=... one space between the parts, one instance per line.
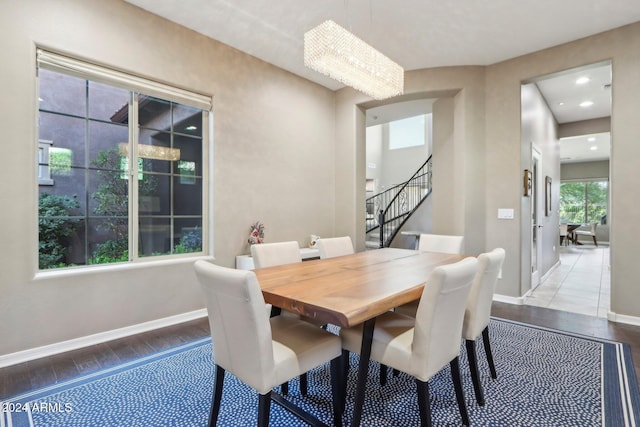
x=55 y=227
x=584 y=202
x=112 y=203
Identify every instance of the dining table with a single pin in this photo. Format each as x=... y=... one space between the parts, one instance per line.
x=350 y=290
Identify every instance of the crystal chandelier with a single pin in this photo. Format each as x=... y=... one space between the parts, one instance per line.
x=335 y=52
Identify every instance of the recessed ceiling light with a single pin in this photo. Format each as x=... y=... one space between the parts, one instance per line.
x=593 y=148
x=582 y=80
x=561 y=103
x=586 y=104
x=591 y=139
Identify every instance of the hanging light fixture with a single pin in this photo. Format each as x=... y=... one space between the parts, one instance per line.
x=337 y=53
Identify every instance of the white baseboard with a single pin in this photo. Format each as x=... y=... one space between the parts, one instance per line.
x=623 y=318
x=508 y=299
x=76 y=343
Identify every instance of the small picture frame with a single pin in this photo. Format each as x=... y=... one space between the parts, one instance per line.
x=547 y=195
x=527 y=183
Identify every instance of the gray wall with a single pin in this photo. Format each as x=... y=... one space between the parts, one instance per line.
x=539 y=129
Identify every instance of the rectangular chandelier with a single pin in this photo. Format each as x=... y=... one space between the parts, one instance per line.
x=335 y=52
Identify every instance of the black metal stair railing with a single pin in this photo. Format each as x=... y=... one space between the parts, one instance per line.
x=387 y=211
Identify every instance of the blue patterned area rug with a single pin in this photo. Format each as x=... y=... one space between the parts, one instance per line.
x=545 y=378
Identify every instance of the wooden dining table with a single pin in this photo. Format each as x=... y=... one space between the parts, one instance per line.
x=351 y=290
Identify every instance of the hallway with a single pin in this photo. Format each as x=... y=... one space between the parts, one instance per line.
x=579 y=284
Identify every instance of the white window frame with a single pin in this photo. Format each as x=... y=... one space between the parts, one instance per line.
x=67 y=65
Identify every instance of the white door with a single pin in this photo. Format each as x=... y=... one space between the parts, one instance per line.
x=537 y=204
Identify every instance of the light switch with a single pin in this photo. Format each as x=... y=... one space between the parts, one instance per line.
x=505 y=213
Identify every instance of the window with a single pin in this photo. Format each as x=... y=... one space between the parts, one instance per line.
x=121 y=166
x=584 y=202
x=407 y=133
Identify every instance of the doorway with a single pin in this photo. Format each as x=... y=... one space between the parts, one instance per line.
x=576 y=277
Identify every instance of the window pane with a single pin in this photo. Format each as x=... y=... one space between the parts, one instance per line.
x=62 y=93
x=584 y=202
x=155 y=236
x=108 y=103
x=188 y=233
x=58 y=223
x=64 y=132
x=107 y=143
x=408 y=132
x=154 y=113
x=154 y=147
x=108 y=240
x=187 y=120
x=187 y=198
x=109 y=196
x=597 y=201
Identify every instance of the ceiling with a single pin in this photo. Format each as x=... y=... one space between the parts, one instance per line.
x=419 y=34
x=565 y=93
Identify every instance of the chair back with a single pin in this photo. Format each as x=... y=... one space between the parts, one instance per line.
x=564 y=229
x=478 y=311
x=335 y=246
x=280 y=253
x=593 y=228
x=240 y=328
x=438 y=324
x=441 y=243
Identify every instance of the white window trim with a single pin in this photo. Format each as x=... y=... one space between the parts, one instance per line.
x=86 y=70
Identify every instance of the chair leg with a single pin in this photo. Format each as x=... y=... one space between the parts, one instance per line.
x=457 y=385
x=423 y=403
x=383 y=374
x=336 y=390
x=595 y=242
x=473 y=367
x=264 y=407
x=217 y=397
x=304 y=384
x=343 y=378
x=487 y=350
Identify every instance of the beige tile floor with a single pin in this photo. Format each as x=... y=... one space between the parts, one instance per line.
x=579 y=284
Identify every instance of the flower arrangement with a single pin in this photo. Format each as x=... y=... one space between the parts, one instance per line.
x=257 y=233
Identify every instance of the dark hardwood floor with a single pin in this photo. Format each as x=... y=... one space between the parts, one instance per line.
x=42 y=372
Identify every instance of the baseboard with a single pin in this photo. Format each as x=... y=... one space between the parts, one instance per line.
x=508 y=299
x=623 y=318
x=76 y=343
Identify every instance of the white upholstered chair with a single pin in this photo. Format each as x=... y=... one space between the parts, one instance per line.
x=478 y=313
x=423 y=345
x=262 y=352
x=591 y=232
x=441 y=243
x=564 y=233
x=434 y=243
x=335 y=246
x=279 y=253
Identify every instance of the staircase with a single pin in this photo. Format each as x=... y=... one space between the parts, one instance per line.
x=389 y=210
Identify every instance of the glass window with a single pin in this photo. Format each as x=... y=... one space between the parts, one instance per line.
x=408 y=132
x=97 y=143
x=584 y=202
